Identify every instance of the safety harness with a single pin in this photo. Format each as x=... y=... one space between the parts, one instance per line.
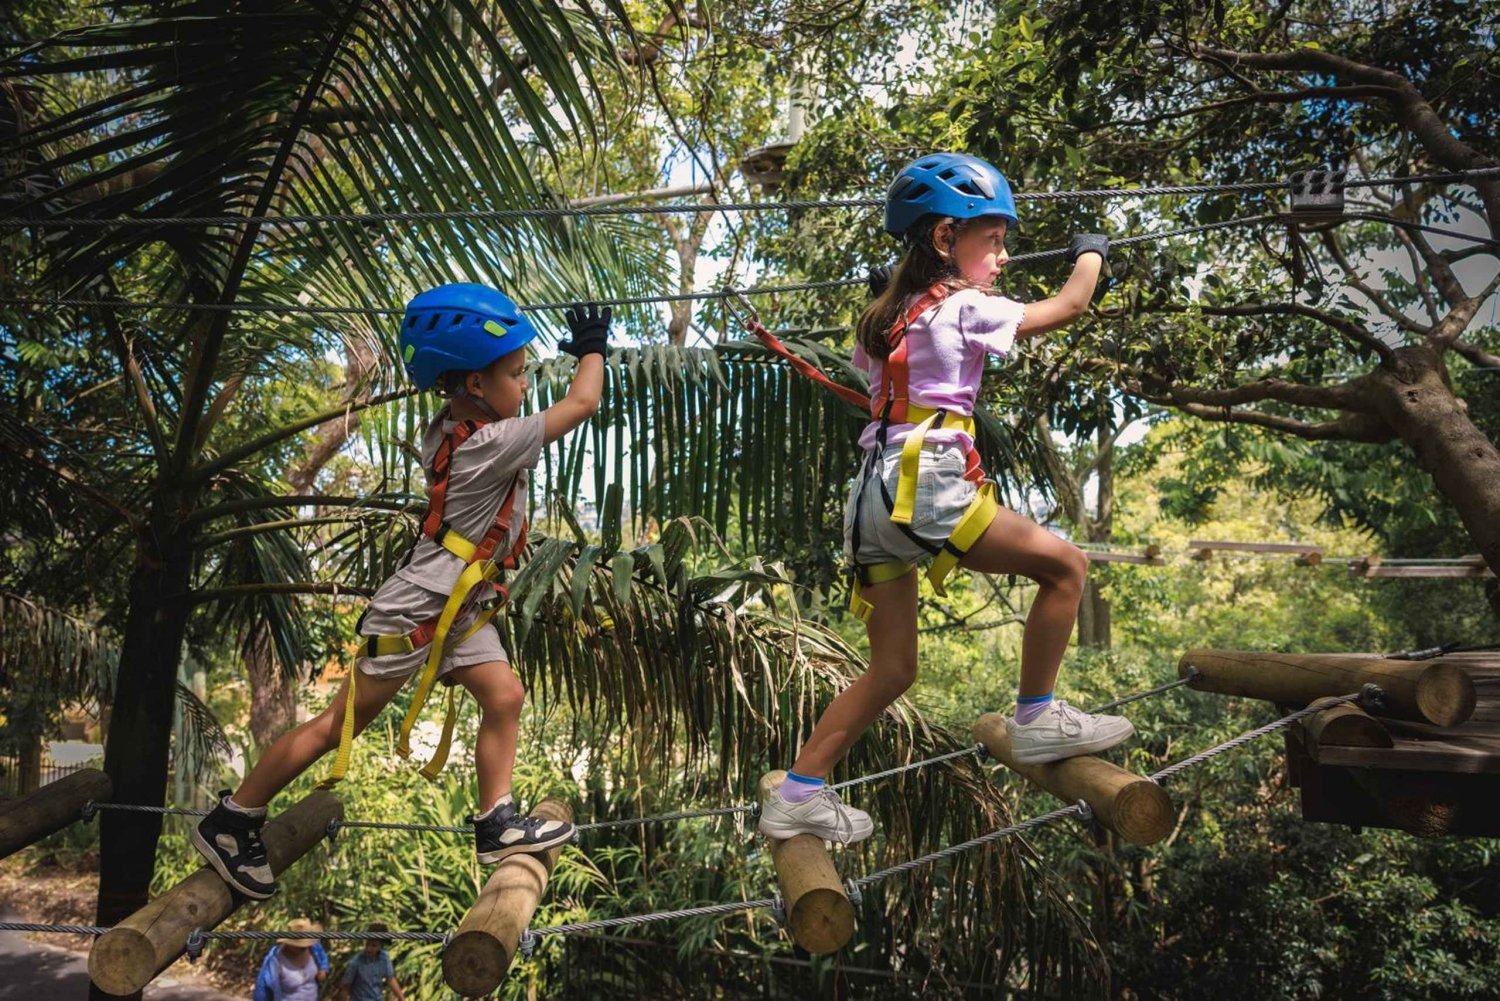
x=480 y=567
x=891 y=405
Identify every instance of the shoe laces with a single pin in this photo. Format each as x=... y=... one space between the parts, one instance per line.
x=1072 y=717
x=255 y=848
x=843 y=825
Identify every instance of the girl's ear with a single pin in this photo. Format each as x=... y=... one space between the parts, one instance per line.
x=942 y=238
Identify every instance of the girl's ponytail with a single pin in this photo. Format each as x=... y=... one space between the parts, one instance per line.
x=924 y=265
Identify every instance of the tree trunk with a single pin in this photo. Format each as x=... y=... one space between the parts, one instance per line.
x=29 y=765
x=273 y=695
x=1093 y=611
x=1417 y=402
x=140 y=733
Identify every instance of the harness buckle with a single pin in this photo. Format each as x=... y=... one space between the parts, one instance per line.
x=739 y=307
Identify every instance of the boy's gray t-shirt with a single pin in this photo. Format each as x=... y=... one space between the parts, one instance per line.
x=479 y=476
x=365 y=977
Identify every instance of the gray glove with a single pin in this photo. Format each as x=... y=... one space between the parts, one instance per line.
x=1088 y=243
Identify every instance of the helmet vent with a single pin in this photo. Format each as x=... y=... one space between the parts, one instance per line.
x=915 y=192
x=433 y=320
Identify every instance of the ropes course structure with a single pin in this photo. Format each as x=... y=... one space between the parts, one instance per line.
x=779 y=904
x=1340 y=695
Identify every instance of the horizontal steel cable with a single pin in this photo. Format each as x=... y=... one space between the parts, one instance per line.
x=1020 y=260
x=1260 y=731
x=696 y=208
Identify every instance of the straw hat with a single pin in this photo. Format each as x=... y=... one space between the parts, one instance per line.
x=302 y=925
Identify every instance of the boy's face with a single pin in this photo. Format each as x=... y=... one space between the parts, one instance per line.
x=503 y=384
x=372 y=949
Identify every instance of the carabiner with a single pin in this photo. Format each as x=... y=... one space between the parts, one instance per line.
x=740 y=308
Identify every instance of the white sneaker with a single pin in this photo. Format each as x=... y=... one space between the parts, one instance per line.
x=1063 y=731
x=822 y=815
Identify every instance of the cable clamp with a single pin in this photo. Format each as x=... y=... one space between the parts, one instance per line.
x=528 y=943
x=1371 y=696
x=87 y=812
x=1190 y=671
x=1085 y=812
x=983 y=751
x=778 y=908
x=196 y=940
x=332 y=832
x=855 y=894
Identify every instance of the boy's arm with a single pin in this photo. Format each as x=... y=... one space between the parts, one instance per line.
x=1087 y=253
x=590 y=329
x=395 y=987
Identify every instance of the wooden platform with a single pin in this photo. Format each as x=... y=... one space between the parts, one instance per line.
x=1432 y=780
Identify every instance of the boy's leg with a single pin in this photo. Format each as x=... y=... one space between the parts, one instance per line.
x=500 y=696
x=229 y=837
x=295 y=751
x=500 y=829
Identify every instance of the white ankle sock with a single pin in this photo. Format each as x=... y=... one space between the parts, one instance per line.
x=247 y=811
x=502 y=801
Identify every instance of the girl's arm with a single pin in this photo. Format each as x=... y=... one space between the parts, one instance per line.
x=1088 y=253
x=590 y=330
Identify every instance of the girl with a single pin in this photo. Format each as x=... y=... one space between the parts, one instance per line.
x=472 y=340
x=921 y=494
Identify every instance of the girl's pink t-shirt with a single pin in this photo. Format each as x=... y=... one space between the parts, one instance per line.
x=945 y=353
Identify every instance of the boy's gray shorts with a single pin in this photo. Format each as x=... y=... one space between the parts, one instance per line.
x=943 y=495
x=387 y=618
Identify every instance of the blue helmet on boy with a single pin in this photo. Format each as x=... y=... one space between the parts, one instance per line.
x=947 y=184
x=461 y=327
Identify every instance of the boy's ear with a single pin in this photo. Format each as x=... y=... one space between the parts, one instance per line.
x=474 y=384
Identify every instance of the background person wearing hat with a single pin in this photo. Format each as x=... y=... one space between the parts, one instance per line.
x=295 y=968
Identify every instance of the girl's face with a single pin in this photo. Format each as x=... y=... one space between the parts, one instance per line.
x=978 y=249
x=503 y=384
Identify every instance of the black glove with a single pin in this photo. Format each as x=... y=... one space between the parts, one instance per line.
x=1088 y=243
x=590 y=330
x=879 y=279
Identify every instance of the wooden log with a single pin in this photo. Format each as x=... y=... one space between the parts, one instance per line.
x=485 y=944
x=1135 y=808
x=1344 y=726
x=1434 y=691
x=819 y=916
x=51 y=808
x=128 y=956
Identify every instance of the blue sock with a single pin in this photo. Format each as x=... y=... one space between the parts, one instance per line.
x=1029 y=707
x=799 y=788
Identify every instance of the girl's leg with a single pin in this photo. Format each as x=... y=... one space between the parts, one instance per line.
x=500 y=696
x=295 y=751
x=893 y=668
x=1013 y=544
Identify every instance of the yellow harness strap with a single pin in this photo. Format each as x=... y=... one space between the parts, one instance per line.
x=911 y=456
x=976 y=519
x=875 y=573
x=473 y=575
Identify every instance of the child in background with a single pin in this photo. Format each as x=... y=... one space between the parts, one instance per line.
x=471 y=341
x=921 y=495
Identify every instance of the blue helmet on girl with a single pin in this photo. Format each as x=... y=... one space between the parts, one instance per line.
x=461 y=327
x=947 y=184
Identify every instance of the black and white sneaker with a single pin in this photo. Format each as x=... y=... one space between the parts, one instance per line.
x=504 y=832
x=230 y=841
